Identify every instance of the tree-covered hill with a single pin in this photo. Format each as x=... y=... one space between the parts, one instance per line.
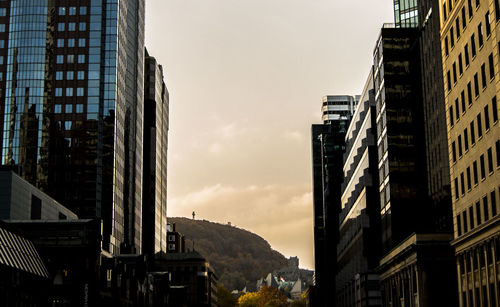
x=238 y=257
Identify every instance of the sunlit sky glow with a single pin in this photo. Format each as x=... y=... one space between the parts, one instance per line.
x=246 y=79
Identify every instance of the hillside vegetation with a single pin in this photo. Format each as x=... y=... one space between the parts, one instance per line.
x=238 y=256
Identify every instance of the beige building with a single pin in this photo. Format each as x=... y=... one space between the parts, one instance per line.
x=470 y=31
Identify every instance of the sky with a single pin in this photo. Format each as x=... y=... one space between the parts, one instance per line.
x=246 y=78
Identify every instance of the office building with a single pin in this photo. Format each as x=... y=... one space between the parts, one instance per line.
x=414 y=255
x=358 y=248
x=328 y=146
x=470 y=55
x=154 y=196
x=72 y=107
x=406 y=13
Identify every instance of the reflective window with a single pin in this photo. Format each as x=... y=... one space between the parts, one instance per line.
x=67 y=125
x=71 y=42
x=79 y=91
x=81 y=42
x=81 y=58
x=79 y=108
x=1 y=59
x=83 y=10
x=3 y=11
x=60 y=59
x=2 y=27
x=61 y=26
x=59 y=75
x=72 y=10
x=60 y=42
x=62 y=11
x=69 y=75
x=70 y=58
x=2 y=43
x=58 y=92
x=71 y=26
x=57 y=108
x=80 y=75
x=69 y=91
x=82 y=26
x=68 y=108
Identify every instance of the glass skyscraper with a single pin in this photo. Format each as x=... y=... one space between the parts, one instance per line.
x=71 y=80
x=406 y=13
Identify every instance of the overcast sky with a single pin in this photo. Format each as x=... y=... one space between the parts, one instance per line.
x=246 y=79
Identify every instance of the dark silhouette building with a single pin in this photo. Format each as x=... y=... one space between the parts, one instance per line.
x=358 y=248
x=328 y=146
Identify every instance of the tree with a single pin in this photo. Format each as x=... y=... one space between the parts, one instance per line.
x=250 y=299
x=224 y=297
x=265 y=297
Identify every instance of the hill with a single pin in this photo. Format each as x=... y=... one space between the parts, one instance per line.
x=239 y=257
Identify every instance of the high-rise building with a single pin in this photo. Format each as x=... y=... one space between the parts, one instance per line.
x=328 y=146
x=72 y=107
x=154 y=197
x=470 y=58
x=406 y=13
x=358 y=248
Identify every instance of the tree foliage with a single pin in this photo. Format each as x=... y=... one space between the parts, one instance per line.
x=224 y=297
x=265 y=297
x=239 y=257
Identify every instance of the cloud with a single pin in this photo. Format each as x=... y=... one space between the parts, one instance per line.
x=281 y=214
x=294 y=136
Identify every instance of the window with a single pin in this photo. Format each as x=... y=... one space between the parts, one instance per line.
x=79 y=91
x=59 y=75
x=473 y=45
x=471 y=218
x=466 y=55
x=474 y=172
x=482 y=167
x=493 y=200
x=60 y=42
x=459 y=225
x=466 y=140
x=72 y=10
x=81 y=42
x=58 y=92
x=60 y=59
x=462 y=97
x=79 y=108
x=57 y=108
x=476 y=85
x=453 y=151
x=460 y=64
x=70 y=58
x=71 y=42
x=492 y=66
x=487 y=23
x=469 y=2
x=456 y=188
x=67 y=125
x=69 y=75
x=497 y=147
x=68 y=108
x=448 y=78
x=81 y=58
x=477 y=3
x=36 y=208
x=497 y=10
x=62 y=11
x=479 y=126
x=462 y=183
x=459 y=146
x=486 y=118
x=452 y=37
x=457 y=110
x=83 y=10
x=483 y=75
x=464 y=21
x=446 y=50
x=472 y=133
x=469 y=181
x=490 y=160
x=451 y=115
x=464 y=217
x=457 y=26
x=485 y=208
x=82 y=26
x=478 y=213
x=69 y=91
x=80 y=75
x=60 y=26
x=469 y=93
x=454 y=72
x=444 y=11
x=494 y=109
x=480 y=34
x=71 y=26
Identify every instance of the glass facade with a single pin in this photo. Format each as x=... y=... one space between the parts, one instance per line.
x=73 y=104
x=406 y=13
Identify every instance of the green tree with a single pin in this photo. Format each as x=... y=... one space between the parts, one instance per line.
x=224 y=297
x=265 y=297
